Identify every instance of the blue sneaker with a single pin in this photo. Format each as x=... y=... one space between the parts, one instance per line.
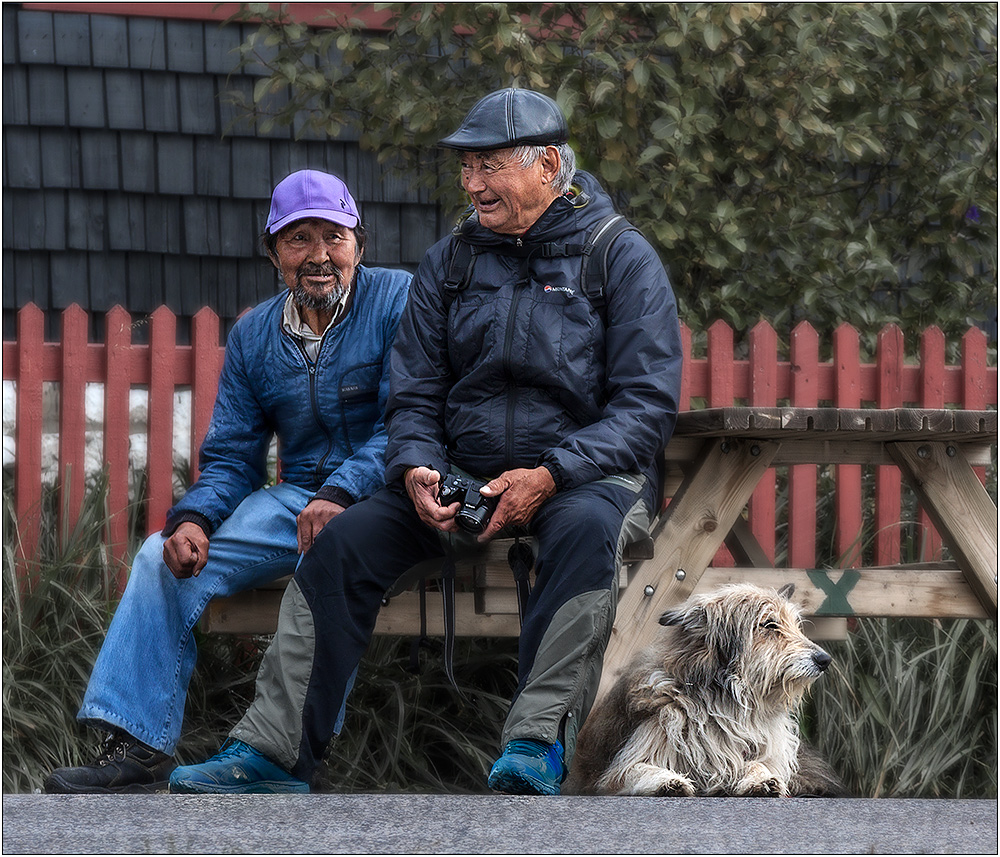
x=236 y=769
x=528 y=767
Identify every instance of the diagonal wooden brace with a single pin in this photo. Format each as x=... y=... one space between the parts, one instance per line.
x=959 y=506
x=698 y=520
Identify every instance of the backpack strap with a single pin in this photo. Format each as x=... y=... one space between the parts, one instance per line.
x=594 y=277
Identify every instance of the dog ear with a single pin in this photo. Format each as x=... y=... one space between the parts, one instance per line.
x=690 y=617
x=787 y=590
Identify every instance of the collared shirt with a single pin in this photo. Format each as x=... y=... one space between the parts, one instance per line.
x=291 y=321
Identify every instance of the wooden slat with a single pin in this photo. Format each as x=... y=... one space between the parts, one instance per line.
x=72 y=418
x=28 y=464
x=118 y=342
x=960 y=508
x=160 y=461
x=804 y=353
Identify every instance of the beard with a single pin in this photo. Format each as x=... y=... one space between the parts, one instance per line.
x=308 y=298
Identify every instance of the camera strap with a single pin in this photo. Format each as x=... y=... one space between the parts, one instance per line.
x=521 y=560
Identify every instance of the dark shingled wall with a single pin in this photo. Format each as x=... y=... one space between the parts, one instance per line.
x=125 y=182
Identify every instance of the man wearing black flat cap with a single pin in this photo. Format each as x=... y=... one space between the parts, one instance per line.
x=522 y=365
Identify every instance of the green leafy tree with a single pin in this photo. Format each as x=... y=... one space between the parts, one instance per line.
x=832 y=162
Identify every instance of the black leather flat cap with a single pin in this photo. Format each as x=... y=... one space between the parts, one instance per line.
x=510 y=117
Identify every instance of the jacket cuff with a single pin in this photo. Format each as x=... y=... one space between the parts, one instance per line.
x=556 y=473
x=184 y=517
x=334 y=494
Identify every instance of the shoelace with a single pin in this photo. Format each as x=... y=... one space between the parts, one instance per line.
x=528 y=748
x=114 y=748
x=231 y=748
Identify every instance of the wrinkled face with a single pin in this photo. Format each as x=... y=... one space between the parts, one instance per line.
x=317 y=260
x=508 y=197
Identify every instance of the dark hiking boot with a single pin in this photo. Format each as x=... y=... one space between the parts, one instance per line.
x=125 y=766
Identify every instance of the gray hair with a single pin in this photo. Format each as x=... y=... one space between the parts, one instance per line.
x=527 y=155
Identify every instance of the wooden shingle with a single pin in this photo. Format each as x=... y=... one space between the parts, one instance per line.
x=198 y=109
x=251 y=169
x=159 y=97
x=126 y=222
x=419 y=230
x=60 y=156
x=212 y=166
x=144 y=282
x=139 y=160
x=146 y=45
x=47 y=95
x=234 y=123
x=69 y=272
x=54 y=227
x=185 y=42
x=31 y=279
x=85 y=98
x=163 y=224
x=72 y=39
x=200 y=220
x=21 y=157
x=109 y=41
x=383 y=245
x=124 y=98
x=99 y=159
x=36 y=43
x=236 y=233
x=24 y=227
x=175 y=164
x=220 y=48
x=85 y=219
x=106 y=272
x=15 y=95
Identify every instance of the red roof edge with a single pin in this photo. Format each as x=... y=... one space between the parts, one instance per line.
x=313 y=14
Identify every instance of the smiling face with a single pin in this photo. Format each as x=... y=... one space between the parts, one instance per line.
x=317 y=260
x=509 y=197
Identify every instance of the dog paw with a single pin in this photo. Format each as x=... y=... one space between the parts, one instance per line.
x=758 y=781
x=661 y=782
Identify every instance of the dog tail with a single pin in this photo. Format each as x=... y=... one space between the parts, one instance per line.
x=815 y=776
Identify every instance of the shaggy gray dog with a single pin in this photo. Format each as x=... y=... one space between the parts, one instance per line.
x=709 y=709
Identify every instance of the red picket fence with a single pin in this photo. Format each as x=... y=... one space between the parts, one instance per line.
x=717 y=379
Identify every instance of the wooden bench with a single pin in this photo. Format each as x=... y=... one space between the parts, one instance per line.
x=714 y=461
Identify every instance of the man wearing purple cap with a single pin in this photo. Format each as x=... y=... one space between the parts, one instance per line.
x=524 y=370
x=310 y=366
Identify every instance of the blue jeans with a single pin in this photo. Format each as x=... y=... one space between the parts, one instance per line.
x=140 y=680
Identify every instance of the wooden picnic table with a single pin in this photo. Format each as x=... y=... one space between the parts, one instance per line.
x=714 y=461
x=724 y=452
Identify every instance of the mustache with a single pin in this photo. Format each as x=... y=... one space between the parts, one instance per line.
x=327 y=269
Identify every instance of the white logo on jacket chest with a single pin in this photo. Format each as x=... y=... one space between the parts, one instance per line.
x=565 y=289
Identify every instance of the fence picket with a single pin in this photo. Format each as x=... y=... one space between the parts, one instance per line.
x=932 y=395
x=889 y=355
x=804 y=357
x=764 y=392
x=118 y=344
x=72 y=418
x=160 y=468
x=205 y=368
x=849 y=533
x=974 y=377
x=28 y=464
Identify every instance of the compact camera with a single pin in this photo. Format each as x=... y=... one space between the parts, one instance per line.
x=475 y=512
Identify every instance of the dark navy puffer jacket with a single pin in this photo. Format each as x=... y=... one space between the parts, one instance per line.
x=328 y=415
x=524 y=375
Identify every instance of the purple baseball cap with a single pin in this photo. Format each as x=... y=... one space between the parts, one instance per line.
x=311 y=193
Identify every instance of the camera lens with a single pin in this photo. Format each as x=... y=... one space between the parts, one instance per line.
x=473 y=519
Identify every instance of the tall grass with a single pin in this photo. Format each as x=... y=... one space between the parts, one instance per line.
x=908 y=710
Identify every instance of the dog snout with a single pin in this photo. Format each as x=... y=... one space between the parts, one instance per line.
x=821 y=659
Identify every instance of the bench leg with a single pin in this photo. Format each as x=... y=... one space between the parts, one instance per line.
x=698 y=520
x=957 y=503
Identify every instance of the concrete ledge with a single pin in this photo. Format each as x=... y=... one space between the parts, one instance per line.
x=467 y=824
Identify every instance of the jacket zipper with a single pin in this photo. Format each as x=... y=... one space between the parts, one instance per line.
x=311 y=369
x=508 y=366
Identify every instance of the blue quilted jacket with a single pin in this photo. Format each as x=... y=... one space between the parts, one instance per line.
x=328 y=415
